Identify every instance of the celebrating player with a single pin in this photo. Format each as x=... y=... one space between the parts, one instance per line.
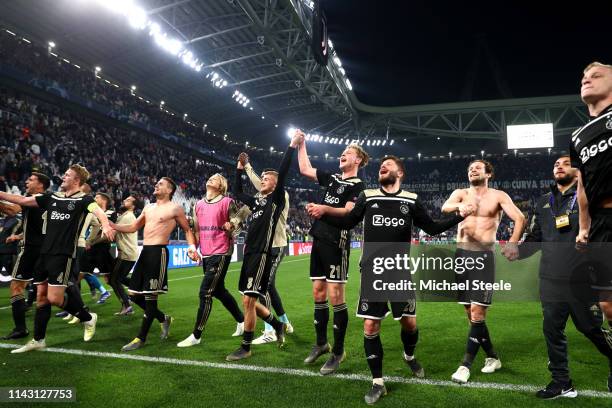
x=476 y=241
x=388 y=214
x=329 y=259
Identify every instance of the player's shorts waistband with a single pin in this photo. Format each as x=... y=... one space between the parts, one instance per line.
x=154 y=246
x=469 y=252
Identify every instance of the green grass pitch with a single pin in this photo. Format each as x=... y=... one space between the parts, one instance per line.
x=515 y=329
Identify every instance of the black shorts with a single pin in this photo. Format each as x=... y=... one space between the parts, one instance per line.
x=380 y=310
x=122 y=268
x=100 y=257
x=84 y=261
x=328 y=262
x=53 y=269
x=76 y=265
x=277 y=257
x=215 y=268
x=255 y=274
x=151 y=271
x=26 y=263
x=475 y=266
x=600 y=247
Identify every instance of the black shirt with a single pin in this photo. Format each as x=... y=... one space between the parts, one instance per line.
x=560 y=260
x=338 y=192
x=265 y=211
x=389 y=217
x=591 y=152
x=32 y=226
x=65 y=217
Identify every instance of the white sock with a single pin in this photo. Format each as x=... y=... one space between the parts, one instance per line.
x=378 y=381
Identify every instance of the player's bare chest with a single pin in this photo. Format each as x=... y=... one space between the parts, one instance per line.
x=486 y=205
x=161 y=215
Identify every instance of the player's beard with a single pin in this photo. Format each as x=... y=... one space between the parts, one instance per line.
x=477 y=182
x=565 y=180
x=389 y=179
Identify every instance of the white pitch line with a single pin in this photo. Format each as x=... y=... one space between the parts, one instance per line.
x=525 y=388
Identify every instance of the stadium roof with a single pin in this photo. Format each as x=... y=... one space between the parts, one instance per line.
x=409 y=66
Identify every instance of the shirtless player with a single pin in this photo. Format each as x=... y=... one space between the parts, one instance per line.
x=150 y=277
x=476 y=240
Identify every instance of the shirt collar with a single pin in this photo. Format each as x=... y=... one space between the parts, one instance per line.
x=390 y=194
x=603 y=112
x=569 y=191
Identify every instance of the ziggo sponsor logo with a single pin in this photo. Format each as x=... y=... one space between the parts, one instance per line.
x=331 y=199
x=59 y=216
x=382 y=221
x=593 y=150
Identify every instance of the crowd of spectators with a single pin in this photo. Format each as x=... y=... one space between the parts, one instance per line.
x=35 y=135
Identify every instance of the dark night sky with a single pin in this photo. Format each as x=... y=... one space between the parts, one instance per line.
x=415 y=52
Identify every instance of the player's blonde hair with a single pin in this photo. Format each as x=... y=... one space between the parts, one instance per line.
x=81 y=173
x=596 y=64
x=222 y=183
x=269 y=172
x=361 y=153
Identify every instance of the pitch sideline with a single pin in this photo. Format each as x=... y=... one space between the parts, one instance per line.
x=526 y=388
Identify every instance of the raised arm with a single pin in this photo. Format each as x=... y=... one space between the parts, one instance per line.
x=283 y=171
x=453 y=203
x=516 y=215
x=250 y=172
x=19 y=200
x=306 y=168
x=421 y=219
x=584 y=218
x=238 y=192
